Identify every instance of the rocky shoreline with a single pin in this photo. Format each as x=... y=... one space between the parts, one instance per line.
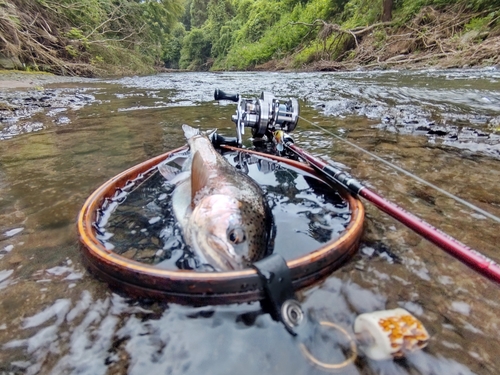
x=26 y=80
x=24 y=95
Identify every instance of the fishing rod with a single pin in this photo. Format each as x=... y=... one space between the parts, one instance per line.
x=477 y=261
x=267 y=115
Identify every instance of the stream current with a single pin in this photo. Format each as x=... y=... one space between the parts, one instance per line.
x=62 y=142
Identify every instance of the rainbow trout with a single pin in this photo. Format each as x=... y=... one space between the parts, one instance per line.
x=224 y=216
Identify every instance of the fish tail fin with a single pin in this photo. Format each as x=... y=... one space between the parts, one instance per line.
x=189 y=132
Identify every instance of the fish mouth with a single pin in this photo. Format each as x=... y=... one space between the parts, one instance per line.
x=220 y=253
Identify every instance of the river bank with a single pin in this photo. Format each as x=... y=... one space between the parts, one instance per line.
x=15 y=79
x=434 y=38
x=277 y=35
x=439 y=39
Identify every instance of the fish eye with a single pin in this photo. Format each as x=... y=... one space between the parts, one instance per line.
x=236 y=235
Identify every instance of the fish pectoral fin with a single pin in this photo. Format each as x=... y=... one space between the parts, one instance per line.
x=168 y=171
x=199 y=175
x=189 y=131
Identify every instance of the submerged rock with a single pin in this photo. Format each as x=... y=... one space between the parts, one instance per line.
x=17 y=108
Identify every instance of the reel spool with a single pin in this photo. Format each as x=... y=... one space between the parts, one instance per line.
x=262 y=114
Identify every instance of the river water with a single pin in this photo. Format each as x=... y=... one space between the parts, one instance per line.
x=443 y=126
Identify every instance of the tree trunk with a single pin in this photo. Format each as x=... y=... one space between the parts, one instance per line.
x=387 y=11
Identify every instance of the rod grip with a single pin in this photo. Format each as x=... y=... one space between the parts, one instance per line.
x=221 y=95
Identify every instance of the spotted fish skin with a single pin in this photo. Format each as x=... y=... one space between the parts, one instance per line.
x=223 y=213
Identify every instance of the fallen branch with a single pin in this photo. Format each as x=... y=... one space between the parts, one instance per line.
x=410 y=60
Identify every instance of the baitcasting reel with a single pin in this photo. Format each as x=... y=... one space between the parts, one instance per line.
x=262 y=114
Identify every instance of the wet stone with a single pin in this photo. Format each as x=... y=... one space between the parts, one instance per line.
x=18 y=107
x=147 y=255
x=63 y=120
x=130 y=253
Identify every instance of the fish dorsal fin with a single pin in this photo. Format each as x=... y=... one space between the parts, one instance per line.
x=199 y=175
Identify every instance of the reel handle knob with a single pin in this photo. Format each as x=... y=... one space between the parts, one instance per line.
x=221 y=95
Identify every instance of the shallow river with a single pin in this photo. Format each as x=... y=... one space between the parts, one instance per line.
x=55 y=318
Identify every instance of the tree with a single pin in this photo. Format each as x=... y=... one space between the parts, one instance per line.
x=198 y=12
x=195 y=49
x=220 y=13
x=387 y=10
x=172 y=50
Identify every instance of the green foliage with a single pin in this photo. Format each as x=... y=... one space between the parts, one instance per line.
x=198 y=12
x=172 y=49
x=220 y=27
x=407 y=9
x=361 y=12
x=223 y=43
x=117 y=59
x=284 y=31
x=262 y=16
x=185 y=18
x=97 y=60
x=380 y=37
x=222 y=34
x=75 y=33
x=195 y=50
x=312 y=52
x=72 y=51
x=480 y=5
x=92 y=31
x=479 y=23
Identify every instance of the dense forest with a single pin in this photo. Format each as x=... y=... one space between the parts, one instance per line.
x=96 y=37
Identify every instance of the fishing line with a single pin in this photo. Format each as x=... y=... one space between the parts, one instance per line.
x=409 y=174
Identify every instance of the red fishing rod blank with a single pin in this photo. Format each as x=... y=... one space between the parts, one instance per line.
x=475 y=260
